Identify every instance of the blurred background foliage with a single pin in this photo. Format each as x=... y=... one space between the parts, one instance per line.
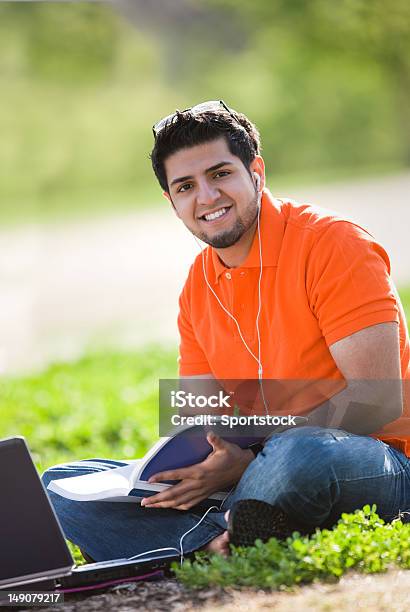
x=103 y=404
x=327 y=83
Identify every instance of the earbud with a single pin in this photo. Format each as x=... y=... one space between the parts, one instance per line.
x=257 y=187
x=257 y=180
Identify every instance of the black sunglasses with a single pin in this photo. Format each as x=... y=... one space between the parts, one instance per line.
x=199 y=108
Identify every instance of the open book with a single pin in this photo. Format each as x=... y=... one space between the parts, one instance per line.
x=187 y=446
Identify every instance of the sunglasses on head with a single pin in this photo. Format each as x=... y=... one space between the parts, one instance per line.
x=199 y=108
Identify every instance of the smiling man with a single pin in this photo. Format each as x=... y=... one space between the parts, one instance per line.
x=224 y=223
x=283 y=291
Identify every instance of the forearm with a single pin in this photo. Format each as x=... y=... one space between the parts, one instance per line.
x=363 y=407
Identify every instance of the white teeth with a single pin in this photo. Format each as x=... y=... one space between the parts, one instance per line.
x=216 y=214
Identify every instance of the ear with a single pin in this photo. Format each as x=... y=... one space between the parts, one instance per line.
x=168 y=197
x=258 y=165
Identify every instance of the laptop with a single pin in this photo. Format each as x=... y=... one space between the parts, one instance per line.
x=32 y=545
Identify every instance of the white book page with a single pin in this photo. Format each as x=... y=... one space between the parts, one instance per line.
x=97 y=485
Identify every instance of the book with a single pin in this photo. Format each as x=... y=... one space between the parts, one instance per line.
x=185 y=447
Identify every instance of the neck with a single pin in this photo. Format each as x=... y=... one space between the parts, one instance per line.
x=235 y=255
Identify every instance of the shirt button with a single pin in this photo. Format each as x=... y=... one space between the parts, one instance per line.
x=228 y=275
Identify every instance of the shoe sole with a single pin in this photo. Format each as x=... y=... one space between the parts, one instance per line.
x=252 y=519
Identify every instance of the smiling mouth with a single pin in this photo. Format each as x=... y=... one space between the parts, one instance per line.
x=215 y=215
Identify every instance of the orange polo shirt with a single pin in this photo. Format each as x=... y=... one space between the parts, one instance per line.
x=324 y=278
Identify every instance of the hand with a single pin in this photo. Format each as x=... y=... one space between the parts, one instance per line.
x=222 y=468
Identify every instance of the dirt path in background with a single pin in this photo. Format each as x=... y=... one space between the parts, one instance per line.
x=117 y=279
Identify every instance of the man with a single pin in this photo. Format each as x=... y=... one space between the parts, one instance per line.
x=284 y=291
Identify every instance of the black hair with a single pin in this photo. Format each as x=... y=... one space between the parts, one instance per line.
x=187 y=129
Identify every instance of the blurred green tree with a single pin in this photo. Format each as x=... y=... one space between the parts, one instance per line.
x=362 y=32
x=76 y=42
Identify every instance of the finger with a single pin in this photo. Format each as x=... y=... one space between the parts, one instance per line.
x=159 y=497
x=194 y=498
x=172 y=503
x=191 y=503
x=169 y=475
x=180 y=474
x=163 y=504
x=190 y=500
x=169 y=494
x=183 y=501
x=215 y=441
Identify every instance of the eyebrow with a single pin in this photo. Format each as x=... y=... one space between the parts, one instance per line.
x=181 y=179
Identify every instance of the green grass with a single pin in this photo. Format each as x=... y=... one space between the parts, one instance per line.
x=105 y=404
x=360 y=541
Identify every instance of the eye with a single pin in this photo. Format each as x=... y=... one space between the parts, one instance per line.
x=184 y=187
x=221 y=173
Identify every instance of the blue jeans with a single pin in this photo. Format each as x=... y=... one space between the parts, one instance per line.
x=314 y=474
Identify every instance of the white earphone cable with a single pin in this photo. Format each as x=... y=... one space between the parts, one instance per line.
x=180 y=551
x=227 y=311
x=256 y=358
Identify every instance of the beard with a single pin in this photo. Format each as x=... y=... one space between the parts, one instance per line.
x=229 y=237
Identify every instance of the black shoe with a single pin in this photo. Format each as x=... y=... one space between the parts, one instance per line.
x=251 y=519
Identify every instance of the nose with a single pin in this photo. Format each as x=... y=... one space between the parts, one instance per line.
x=207 y=194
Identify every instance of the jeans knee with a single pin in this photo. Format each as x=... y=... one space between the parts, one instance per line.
x=303 y=461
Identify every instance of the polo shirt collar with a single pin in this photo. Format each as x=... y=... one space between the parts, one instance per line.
x=272 y=226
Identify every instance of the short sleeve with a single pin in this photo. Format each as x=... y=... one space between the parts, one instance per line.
x=192 y=359
x=348 y=282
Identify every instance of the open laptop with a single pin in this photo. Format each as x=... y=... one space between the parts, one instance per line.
x=32 y=544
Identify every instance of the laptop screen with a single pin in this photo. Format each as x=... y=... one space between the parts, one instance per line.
x=31 y=540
